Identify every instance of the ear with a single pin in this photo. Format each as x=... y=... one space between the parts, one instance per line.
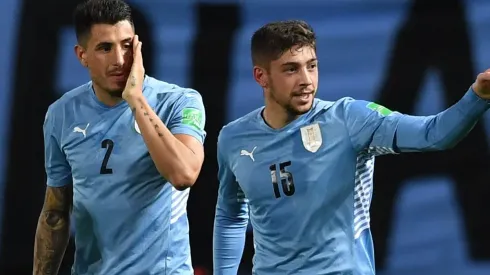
x=81 y=55
x=260 y=76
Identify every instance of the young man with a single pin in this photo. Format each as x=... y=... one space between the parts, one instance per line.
x=303 y=167
x=126 y=147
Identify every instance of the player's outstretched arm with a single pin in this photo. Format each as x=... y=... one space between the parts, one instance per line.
x=53 y=230
x=178 y=154
x=230 y=223
x=380 y=130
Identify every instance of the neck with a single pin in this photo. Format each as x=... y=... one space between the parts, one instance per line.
x=276 y=116
x=105 y=97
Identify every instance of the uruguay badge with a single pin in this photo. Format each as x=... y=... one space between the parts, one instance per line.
x=311 y=136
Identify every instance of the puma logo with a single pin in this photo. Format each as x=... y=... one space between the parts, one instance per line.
x=250 y=154
x=80 y=130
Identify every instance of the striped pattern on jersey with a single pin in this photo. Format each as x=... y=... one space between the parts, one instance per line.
x=363 y=189
x=179 y=204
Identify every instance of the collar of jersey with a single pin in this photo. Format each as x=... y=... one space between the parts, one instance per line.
x=289 y=126
x=120 y=104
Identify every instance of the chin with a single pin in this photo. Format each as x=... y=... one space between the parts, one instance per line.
x=116 y=92
x=305 y=108
x=301 y=109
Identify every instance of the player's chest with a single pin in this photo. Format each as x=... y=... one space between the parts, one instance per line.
x=105 y=146
x=298 y=164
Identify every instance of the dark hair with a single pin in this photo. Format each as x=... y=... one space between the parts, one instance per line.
x=273 y=39
x=91 y=12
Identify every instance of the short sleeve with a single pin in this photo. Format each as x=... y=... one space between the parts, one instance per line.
x=189 y=116
x=58 y=170
x=370 y=126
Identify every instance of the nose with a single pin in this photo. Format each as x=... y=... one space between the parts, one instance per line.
x=119 y=56
x=305 y=78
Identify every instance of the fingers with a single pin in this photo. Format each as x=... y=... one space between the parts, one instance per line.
x=136 y=41
x=138 y=48
x=137 y=44
x=485 y=75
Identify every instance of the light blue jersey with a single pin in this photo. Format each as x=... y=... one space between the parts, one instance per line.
x=307 y=187
x=128 y=219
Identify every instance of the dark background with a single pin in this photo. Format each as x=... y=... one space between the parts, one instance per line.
x=429 y=214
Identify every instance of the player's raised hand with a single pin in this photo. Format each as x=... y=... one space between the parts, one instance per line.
x=134 y=84
x=482 y=85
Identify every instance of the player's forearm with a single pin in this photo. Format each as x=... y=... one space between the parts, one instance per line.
x=52 y=236
x=228 y=242
x=173 y=159
x=442 y=131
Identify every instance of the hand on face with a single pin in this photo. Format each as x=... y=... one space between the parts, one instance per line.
x=134 y=84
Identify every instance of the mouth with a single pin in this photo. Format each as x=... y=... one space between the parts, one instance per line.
x=118 y=76
x=303 y=96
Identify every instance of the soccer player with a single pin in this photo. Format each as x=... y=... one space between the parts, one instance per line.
x=303 y=167
x=122 y=150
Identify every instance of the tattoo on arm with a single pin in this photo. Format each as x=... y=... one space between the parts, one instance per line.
x=146 y=114
x=53 y=230
x=133 y=80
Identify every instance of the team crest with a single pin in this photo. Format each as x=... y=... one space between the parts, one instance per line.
x=136 y=127
x=311 y=136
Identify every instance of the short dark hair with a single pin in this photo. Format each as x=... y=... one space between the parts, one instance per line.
x=273 y=39
x=91 y=12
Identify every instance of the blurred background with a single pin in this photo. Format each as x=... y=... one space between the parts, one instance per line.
x=415 y=56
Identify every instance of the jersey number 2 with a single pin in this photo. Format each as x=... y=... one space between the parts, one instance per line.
x=286 y=178
x=109 y=144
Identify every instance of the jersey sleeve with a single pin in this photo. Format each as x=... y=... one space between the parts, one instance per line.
x=231 y=220
x=379 y=130
x=58 y=170
x=190 y=116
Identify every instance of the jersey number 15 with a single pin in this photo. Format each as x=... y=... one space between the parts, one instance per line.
x=285 y=177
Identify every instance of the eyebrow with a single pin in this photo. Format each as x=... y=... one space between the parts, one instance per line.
x=296 y=63
x=129 y=39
